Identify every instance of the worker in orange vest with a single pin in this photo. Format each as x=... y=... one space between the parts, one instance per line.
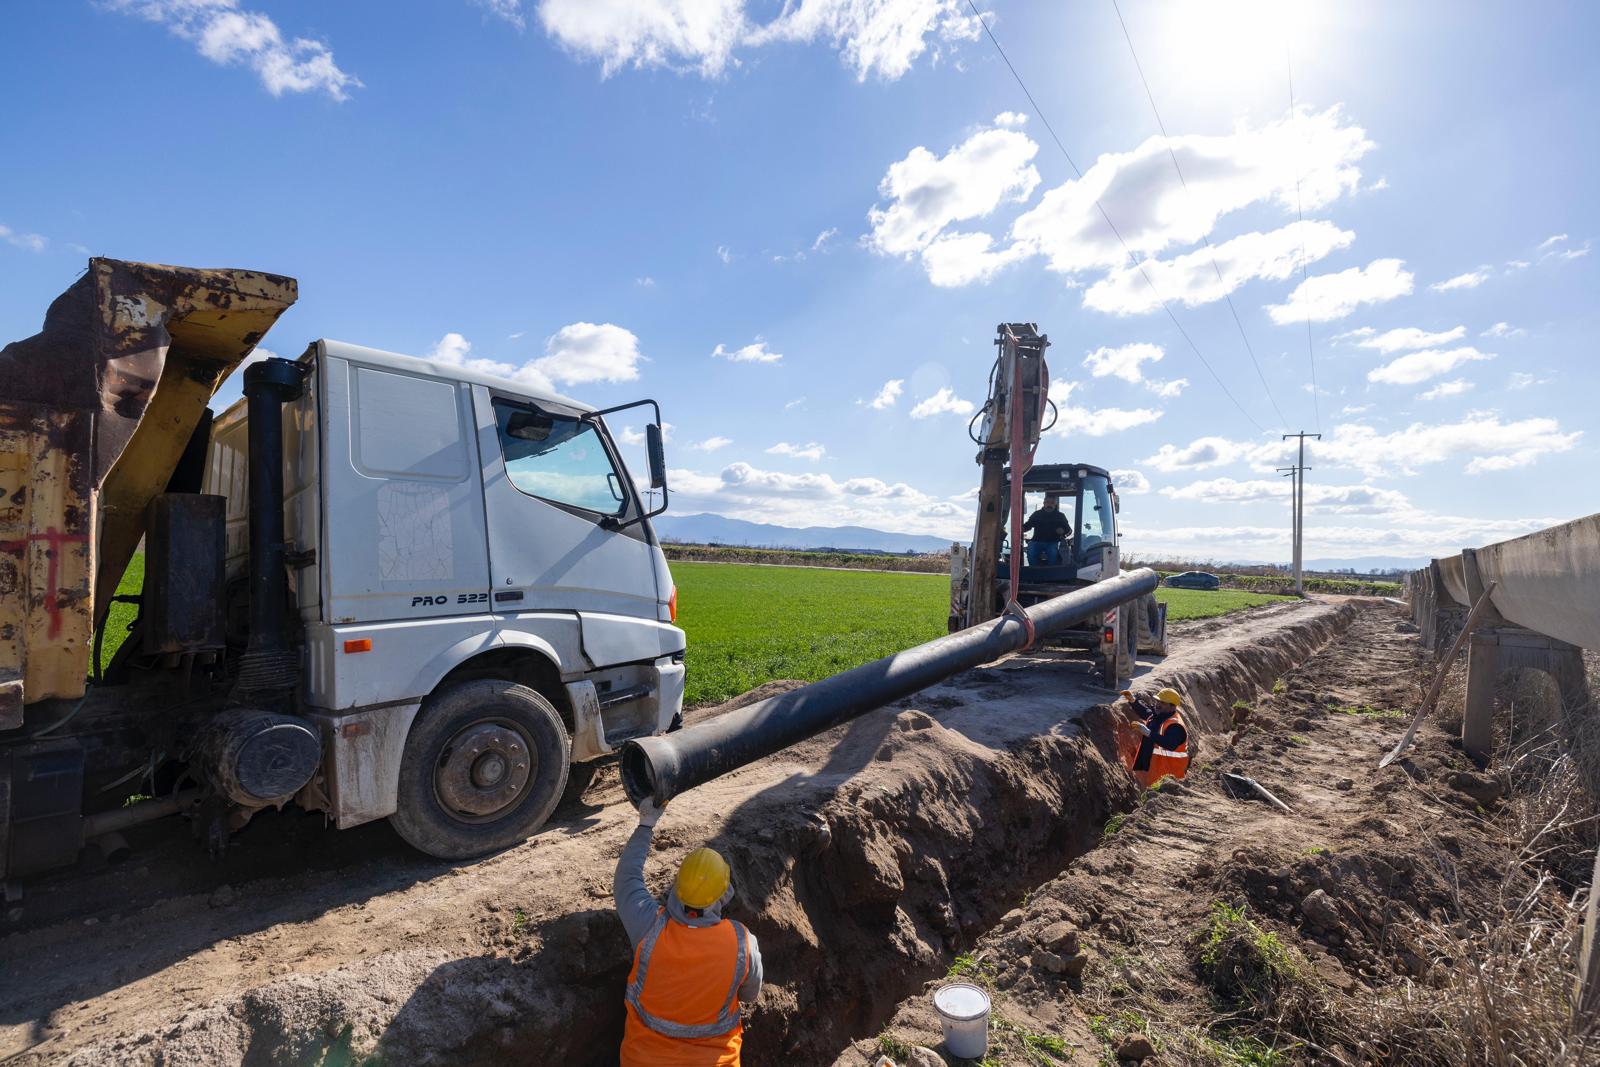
x=692 y=969
x=1163 y=747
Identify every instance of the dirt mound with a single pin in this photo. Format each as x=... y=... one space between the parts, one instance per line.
x=865 y=859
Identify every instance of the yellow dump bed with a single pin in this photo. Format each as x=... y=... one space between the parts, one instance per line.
x=95 y=411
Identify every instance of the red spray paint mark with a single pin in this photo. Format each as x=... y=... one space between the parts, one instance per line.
x=56 y=539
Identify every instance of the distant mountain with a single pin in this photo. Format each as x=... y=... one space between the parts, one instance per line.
x=707 y=528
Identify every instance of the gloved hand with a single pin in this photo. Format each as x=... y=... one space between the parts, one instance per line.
x=650 y=814
x=1144 y=729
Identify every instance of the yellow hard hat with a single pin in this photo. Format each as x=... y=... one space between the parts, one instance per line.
x=1170 y=696
x=702 y=879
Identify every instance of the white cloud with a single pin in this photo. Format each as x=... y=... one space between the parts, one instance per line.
x=880 y=38
x=1130 y=482
x=1224 y=173
x=227 y=35
x=1550 y=242
x=1523 y=380
x=712 y=444
x=1504 y=329
x=1470 y=280
x=820 y=244
x=1072 y=421
x=1490 y=444
x=1011 y=120
x=1414 y=533
x=1325 y=297
x=725 y=254
x=1168 y=390
x=1199 y=454
x=1514 y=265
x=1123 y=361
x=590 y=352
x=888 y=394
x=755 y=352
x=1334 y=499
x=940 y=403
x=810 y=450
x=1354 y=409
x=926 y=193
x=509 y=10
x=645 y=282
x=956 y=259
x=1571 y=253
x=1403 y=339
x=576 y=354
x=631 y=436
x=33 y=242
x=1420 y=366
x=810 y=499
x=1454 y=387
x=796 y=402
x=1192 y=279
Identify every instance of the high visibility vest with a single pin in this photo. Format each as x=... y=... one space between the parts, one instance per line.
x=1170 y=762
x=683 y=996
x=1163 y=762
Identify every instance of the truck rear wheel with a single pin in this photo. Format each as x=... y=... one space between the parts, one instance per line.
x=485 y=764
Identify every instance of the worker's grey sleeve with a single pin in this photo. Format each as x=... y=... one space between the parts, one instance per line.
x=750 y=988
x=635 y=906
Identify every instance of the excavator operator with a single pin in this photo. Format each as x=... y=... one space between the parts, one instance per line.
x=1050 y=528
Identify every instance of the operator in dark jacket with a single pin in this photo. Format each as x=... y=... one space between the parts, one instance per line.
x=1050 y=528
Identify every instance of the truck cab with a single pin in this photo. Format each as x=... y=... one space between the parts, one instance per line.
x=463 y=548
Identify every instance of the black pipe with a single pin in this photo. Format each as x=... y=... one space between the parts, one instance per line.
x=662 y=767
x=269 y=669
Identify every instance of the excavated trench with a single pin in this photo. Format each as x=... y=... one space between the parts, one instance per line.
x=864 y=859
x=862 y=890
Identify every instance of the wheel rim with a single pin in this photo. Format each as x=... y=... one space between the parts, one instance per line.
x=484 y=770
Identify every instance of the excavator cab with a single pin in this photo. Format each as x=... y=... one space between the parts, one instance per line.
x=1085 y=499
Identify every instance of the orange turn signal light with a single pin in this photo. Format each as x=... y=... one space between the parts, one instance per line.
x=672 y=605
x=360 y=644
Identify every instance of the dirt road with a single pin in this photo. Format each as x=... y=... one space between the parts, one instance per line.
x=866 y=858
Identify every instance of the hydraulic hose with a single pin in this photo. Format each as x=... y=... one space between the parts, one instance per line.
x=662 y=767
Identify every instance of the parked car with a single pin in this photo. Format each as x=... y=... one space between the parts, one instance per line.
x=1194 y=580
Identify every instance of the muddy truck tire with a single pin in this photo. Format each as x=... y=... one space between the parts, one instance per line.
x=485 y=765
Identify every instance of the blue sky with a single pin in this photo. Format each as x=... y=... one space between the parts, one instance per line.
x=764 y=214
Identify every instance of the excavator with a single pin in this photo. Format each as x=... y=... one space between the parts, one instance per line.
x=991 y=576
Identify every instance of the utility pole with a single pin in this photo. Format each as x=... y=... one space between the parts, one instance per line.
x=1299 y=470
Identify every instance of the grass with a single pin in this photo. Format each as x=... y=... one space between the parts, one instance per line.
x=1114 y=824
x=121 y=616
x=748 y=625
x=1370 y=712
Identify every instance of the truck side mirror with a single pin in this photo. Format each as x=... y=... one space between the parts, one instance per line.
x=658 y=456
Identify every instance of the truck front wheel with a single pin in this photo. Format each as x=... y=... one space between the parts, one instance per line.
x=485 y=764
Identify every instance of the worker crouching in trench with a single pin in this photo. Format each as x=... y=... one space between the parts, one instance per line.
x=1153 y=741
x=692 y=969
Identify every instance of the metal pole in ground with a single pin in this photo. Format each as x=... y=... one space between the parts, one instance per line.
x=1293 y=474
x=1300 y=508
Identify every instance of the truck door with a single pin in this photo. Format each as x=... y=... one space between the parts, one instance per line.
x=404 y=527
x=555 y=494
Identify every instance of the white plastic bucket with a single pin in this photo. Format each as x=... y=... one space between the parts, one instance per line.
x=964 y=1015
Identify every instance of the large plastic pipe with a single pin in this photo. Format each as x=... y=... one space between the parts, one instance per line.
x=662 y=767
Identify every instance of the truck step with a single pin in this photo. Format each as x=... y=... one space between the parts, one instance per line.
x=623 y=696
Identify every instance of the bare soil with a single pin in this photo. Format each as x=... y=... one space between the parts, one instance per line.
x=1206 y=929
x=866 y=859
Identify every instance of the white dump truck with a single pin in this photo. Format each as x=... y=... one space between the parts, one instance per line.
x=377 y=586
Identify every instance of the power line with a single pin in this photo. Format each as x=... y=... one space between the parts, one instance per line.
x=1113 y=226
x=1173 y=155
x=1311 y=353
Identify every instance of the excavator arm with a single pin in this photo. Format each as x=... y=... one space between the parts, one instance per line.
x=1007 y=432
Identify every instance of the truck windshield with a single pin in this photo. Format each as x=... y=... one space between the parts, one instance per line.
x=559 y=459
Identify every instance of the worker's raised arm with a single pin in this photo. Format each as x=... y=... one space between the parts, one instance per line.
x=635 y=906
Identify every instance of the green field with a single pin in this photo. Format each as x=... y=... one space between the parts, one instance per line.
x=748 y=625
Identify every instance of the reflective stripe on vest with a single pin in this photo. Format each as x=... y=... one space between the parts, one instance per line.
x=1159 y=751
x=727 y=1018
